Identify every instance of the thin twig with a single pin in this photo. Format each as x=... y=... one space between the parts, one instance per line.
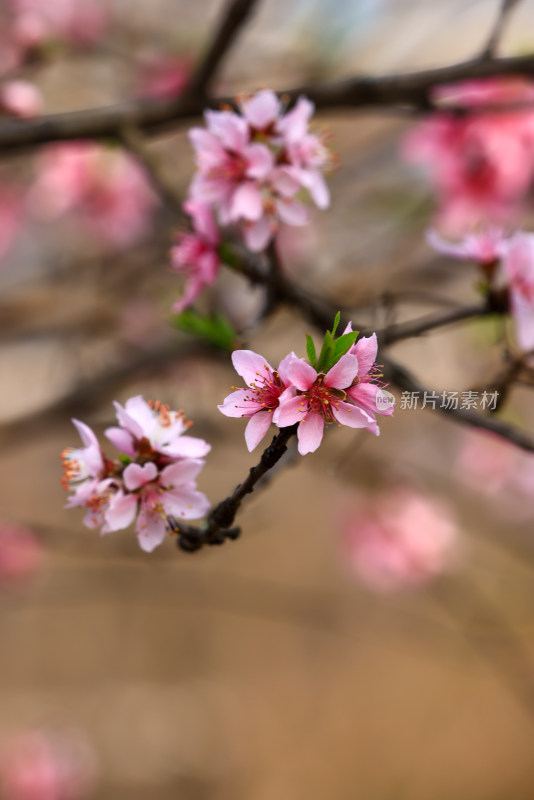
x=392 y=92
x=234 y=18
x=418 y=327
x=220 y=520
x=490 y=50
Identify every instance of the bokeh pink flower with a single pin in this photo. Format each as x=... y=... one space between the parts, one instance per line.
x=21 y=554
x=481 y=163
x=398 y=538
x=196 y=254
x=104 y=185
x=47 y=765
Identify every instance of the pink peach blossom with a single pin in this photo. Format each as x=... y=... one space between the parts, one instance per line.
x=81 y=22
x=196 y=254
x=398 y=538
x=21 y=99
x=21 y=554
x=47 y=765
x=315 y=400
x=367 y=390
x=260 y=400
x=104 y=185
x=481 y=163
x=157 y=426
x=253 y=164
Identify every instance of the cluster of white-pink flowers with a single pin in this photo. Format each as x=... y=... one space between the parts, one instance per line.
x=342 y=386
x=252 y=167
x=507 y=261
x=154 y=479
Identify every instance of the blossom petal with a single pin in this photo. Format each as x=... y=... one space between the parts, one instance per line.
x=292 y=212
x=121 y=511
x=183 y=472
x=350 y=415
x=151 y=530
x=185 y=502
x=365 y=349
x=257 y=427
x=301 y=374
x=310 y=433
x=260 y=161
x=122 y=440
x=247 y=203
x=341 y=375
x=239 y=404
x=230 y=128
x=187 y=447
x=135 y=475
x=251 y=366
x=261 y=109
x=291 y=410
x=258 y=234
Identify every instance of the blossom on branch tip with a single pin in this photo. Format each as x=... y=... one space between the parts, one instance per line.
x=340 y=386
x=517 y=270
x=21 y=99
x=154 y=480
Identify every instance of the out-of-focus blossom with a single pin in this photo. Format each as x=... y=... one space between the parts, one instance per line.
x=81 y=22
x=251 y=166
x=481 y=163
x=499 y=470
x=196 y=255
x=47 y=765
x=482 y=247
x=21 y=554
x=164 y=77
x=518 y=273
x=398 y=538
x=108 y=189
x=21 y=99
x=153 y=480
x=260 y=400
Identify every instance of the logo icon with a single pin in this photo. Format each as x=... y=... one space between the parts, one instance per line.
x=384 y=400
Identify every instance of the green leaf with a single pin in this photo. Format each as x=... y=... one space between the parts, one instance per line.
x=310 y=349
x=214 y=328
x=327 y=352
x=336 y=323
x=344 y=343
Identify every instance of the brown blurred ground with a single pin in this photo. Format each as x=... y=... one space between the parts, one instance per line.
x=260 y=670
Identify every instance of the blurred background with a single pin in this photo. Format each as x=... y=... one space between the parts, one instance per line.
x=264 y=669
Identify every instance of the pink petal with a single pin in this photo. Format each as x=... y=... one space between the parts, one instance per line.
x=292 y=409
x=87 y=436
x=251 y=366
x=185 y=502
x=187 y=447
x=310 y=433
x=292 y=212
x=151 y=530
x=246 y=203
x=122 y=440
x=230 y=128
x=135 y=475
x=262 y=109
x=238 y=404
x=365 y=349
x=260 y=161
x=318 y=188
x=258 y=234
x=127 y=422
x=352 y=416
x=284 y=366
x=183 y=472
x=294 y=125
x=301 y=374
x=343 y=373
x=121 y=511
x=257 y=427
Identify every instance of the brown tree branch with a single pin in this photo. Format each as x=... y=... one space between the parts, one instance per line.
x=506 y=8
x=409 y=91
